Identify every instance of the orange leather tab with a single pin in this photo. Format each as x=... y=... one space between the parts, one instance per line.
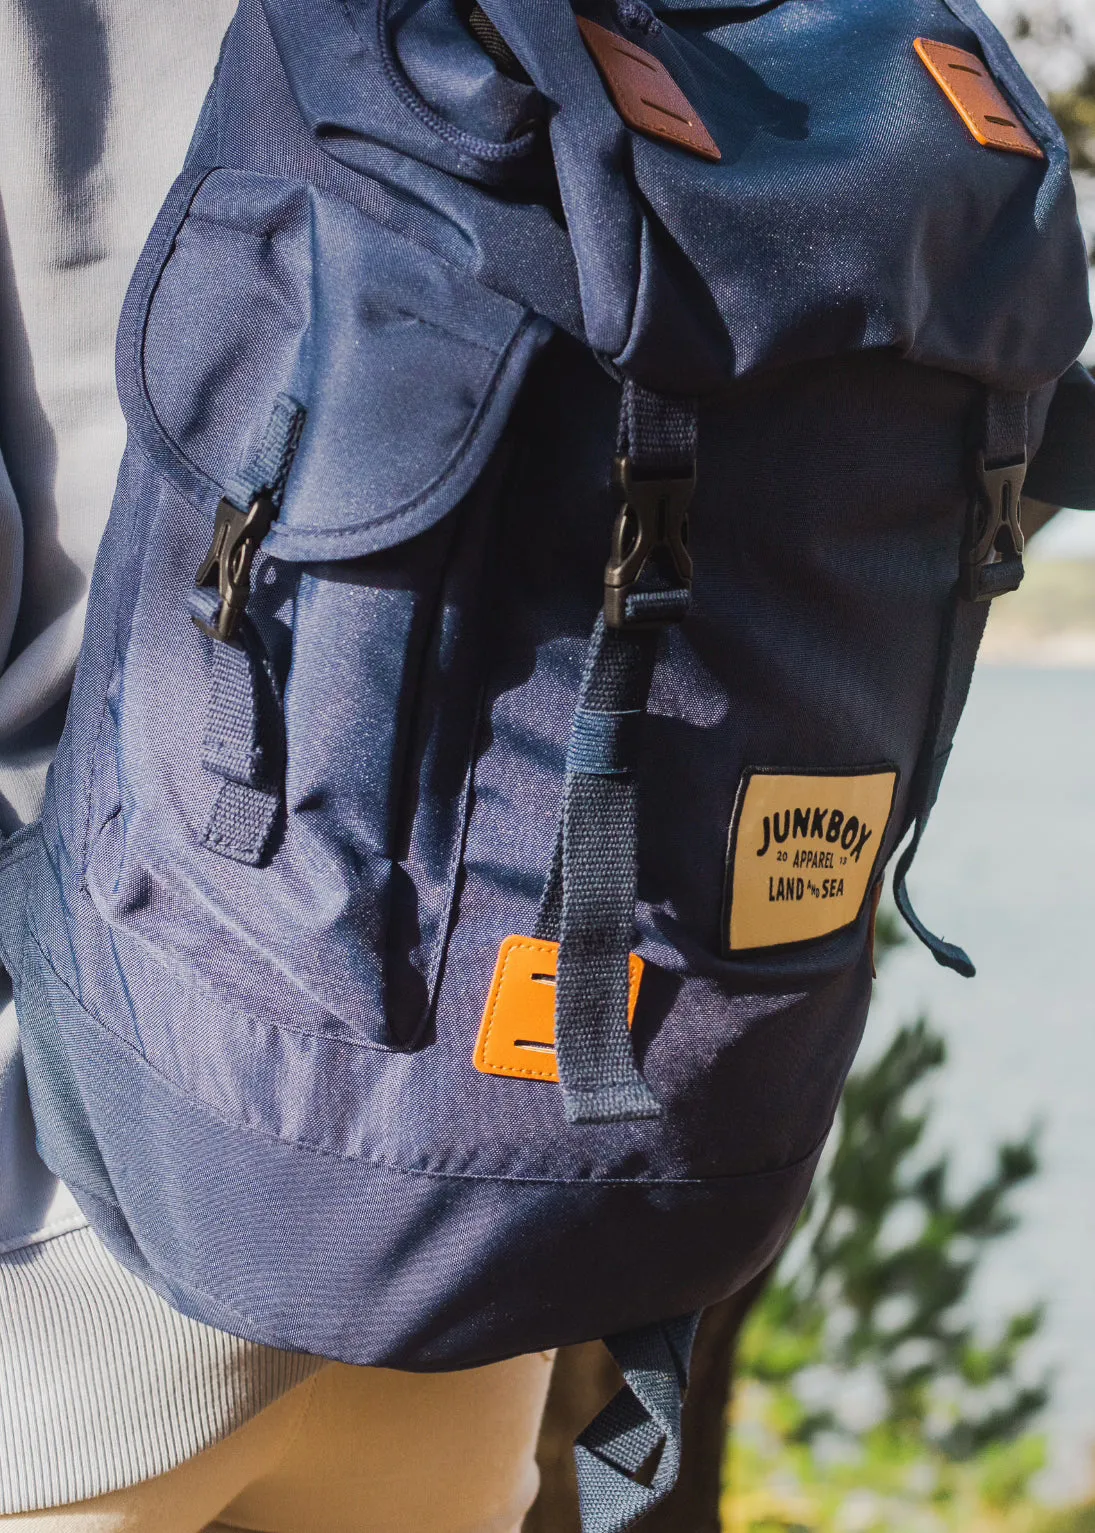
x=975 y=96
x=517 y=1036
x=645 y=93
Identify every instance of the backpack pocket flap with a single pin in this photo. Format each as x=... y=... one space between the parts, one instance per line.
x=414 y=370
x=406 y=366
x=286 y=799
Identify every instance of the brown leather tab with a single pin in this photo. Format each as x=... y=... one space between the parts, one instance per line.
x=645 y=93
x=975 y=96
x=517 y=1036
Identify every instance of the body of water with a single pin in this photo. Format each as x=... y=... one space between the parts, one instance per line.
x=1008 y=870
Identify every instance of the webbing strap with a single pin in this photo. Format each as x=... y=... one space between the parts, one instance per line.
x=629 y=1456
x=240 y=745
x=267 y=468
x=242 y=741
x=657 y=431
x=1001 y=464
x=992 y=558
x=1006 y=427
x=588 y=904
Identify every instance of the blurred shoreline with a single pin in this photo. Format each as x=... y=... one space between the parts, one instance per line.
x=1006 y=870
x=1049 y=623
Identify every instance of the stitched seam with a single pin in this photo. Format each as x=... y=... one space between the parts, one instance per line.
x=459 y=844
x=220 y=745
x=530 y=945
x=187 y=977
x=208 y=221
x=313 y=1385
x=403 y=88
x=93 y=774
x=378 y=1164
x=196 y=481
x=293 y=1437
x=621 y=89
x=214 y=835
x=449 y=472
x=140 y=338
x=450 y=335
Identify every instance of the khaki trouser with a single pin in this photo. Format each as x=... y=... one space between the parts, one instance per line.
x=352 y=1450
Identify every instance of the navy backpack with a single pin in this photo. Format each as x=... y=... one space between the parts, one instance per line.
x=571 y=453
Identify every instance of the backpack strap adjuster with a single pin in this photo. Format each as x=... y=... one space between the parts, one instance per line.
x=227 y=566
x=259 y=486
x=652 y=526
x=992 y=561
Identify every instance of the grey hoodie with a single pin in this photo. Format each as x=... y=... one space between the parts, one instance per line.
x=101 y=1383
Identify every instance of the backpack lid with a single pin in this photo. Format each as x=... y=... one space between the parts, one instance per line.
x=851 y=208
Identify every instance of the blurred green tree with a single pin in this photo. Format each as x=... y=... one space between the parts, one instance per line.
x=872 y=1371
x=1051 y=30
x=1075 y=112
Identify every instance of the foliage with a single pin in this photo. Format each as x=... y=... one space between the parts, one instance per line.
x=1078 y=1520
x=1075 y=112
x=869 y=1397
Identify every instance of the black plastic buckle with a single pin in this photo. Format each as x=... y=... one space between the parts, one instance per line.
x=992 y=560
x=652 y=523
x=236 y=538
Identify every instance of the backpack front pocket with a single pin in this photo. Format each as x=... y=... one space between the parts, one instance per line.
x=290 y=785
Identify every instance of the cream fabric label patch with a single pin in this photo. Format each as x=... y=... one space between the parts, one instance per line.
x=803 y=850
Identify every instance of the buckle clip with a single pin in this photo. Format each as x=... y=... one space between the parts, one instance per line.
x=992 y=559
x=652 y=524
x=227 y=566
